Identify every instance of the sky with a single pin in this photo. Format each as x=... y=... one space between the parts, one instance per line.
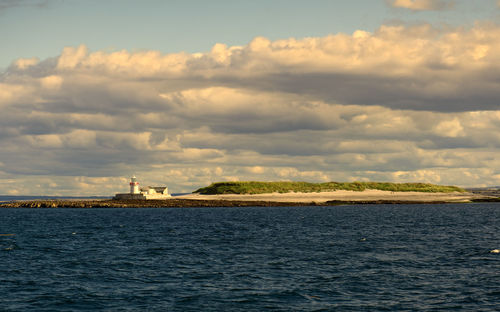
x=185 y=93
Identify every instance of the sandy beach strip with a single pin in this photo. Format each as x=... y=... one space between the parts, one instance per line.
x=322 y=197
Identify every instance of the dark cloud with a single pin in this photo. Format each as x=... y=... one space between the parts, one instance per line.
x=9 y=4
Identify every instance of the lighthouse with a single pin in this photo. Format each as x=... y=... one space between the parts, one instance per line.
x=148 y=192
x=134 y=186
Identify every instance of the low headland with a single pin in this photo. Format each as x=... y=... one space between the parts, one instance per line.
x=267 y=194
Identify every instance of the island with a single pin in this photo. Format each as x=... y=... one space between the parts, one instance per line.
x=331 y=193
x=267 y=194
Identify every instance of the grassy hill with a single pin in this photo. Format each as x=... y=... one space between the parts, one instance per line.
x=253 y=187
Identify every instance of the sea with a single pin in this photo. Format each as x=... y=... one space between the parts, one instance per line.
x=335 y=258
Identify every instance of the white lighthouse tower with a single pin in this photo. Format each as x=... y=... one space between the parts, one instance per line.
x=134 y=186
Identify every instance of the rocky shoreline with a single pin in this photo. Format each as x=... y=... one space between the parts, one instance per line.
x=109 y=203
x=192 y=203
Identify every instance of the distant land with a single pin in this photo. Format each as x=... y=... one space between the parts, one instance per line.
x=254 y=193
x=485 y=191
x=8 y=198
x=4 y=198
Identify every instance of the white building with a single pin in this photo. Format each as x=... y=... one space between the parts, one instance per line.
x=148 y=192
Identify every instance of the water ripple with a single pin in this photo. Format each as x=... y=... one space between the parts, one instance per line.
x=346 y=258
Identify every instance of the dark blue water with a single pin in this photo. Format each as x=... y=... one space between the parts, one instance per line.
x=344 y=258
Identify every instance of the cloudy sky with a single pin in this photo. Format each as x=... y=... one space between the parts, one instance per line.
x=186 y=93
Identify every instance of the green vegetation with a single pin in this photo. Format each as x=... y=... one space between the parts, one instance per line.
x=252 y=187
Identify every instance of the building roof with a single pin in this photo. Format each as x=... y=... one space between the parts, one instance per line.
x=158 y=189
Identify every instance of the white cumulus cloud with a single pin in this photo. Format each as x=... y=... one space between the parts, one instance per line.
x=401 y=103
x=422 y=5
